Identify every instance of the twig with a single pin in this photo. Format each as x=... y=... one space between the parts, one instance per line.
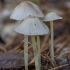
x=3 y=49
x=43 y=45
x=10 y=42
x=62 y=46
x=60 y=38
x=17 y=47
x=59 y=67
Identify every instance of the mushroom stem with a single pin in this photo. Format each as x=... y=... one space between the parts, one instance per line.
x=39 y=52
x=35 y=49
x=52 y=41
x=26 y=51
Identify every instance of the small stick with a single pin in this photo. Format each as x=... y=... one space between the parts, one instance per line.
x=35 y=48
x=62 y=46
x=44 y=41
x=9 y=43
x=52 y=41
x=45 y=47
x=59 y=67
x=3 y=49
x=60 y=38
x=26 y=51
x=31 y=62
x=47 y=58
x=17 y=47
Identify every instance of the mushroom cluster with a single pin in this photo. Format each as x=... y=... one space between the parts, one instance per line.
x=34 y=27
x=31 y=26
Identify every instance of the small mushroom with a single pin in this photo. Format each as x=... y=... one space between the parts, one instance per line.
x=34 y=27
x=24 y=10
x=50 y=17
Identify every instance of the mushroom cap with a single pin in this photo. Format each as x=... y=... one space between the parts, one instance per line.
x=26 y=9
x=51 y=16
x=32 y=26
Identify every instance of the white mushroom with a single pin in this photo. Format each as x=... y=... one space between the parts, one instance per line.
x=34 y=27
x=22 y=11
x=50 y=17
x=26 y=9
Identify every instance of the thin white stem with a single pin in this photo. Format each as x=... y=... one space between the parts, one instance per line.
x=35 y=49
x=52 y=41
x=39 y=51
x=26 y=51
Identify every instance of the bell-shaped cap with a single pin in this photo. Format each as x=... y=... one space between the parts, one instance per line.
x=32 y=26
x=26 y=9
x=51 y=16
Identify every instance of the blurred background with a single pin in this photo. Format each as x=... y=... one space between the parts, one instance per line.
x=9 y=39
x=61 y=7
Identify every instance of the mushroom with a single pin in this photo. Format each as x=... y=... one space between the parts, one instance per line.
x=33 y=27
x=50 y=17
x=21 y=12
x=26 y=9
